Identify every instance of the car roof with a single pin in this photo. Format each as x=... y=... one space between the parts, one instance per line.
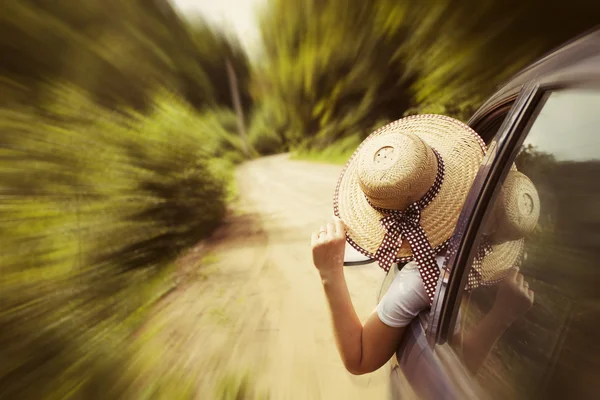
x=586 y=46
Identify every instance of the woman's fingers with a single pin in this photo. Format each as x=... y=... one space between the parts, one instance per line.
x=340 y=228
x=512 y=274
x=322 y=231
x=333 y=229
x=330 y=229
x=520 y=279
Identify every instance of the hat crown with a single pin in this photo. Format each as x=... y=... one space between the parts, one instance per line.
x=396 y=169
x=517 y=208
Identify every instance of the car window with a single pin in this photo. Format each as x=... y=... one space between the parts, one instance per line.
x=546 y=221
x=487 y=127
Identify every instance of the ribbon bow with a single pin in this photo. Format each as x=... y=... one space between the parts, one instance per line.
x=475 y=278
x=406 y=225
x=403 y=221
x=397 y=225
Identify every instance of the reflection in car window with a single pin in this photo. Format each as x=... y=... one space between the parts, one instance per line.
x=488 y=127
x=534 y=333
x=572 y=117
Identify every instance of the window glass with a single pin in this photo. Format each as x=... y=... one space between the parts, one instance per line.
x=488 y=126
x=545 y=220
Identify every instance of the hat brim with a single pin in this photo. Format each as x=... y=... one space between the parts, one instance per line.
x=508 y=254
x=462 y=151
x=504 y=256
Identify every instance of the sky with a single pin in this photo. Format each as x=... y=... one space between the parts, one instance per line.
x=238 y=16
x=567 y=125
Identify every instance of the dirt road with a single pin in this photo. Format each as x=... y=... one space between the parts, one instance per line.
x=259 y=305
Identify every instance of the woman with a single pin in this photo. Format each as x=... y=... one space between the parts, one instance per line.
x=397 y=200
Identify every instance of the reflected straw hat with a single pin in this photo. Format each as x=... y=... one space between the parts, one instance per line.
x=514 y=216
x=401 y=192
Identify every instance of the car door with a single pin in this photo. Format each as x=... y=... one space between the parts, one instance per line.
x=551 y=134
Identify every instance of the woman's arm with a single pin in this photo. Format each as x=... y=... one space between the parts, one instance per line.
x=365 y=348
x=514 y=298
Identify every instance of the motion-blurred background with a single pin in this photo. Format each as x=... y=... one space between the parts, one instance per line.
x=121 y=124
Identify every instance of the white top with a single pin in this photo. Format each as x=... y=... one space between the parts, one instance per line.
x=406 y=297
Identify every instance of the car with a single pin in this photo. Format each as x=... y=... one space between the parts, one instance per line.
x=545 y=122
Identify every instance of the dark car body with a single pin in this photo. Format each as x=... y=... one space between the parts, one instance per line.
x=554 y=352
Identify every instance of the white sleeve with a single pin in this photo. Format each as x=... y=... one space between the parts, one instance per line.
x=405 y=298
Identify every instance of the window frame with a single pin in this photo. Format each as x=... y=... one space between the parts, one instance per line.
x=445 y=307
x=502 y=152
x=577 y=61
x=489 y=114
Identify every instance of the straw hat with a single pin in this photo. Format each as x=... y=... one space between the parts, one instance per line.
x=419 y=167
x=514 y=216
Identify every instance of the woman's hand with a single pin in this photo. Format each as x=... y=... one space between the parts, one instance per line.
x=363 y=349
x=514 y=297
x=328 y=246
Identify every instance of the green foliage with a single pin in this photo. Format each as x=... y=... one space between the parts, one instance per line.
x=222 y=139
x=336 y=67
x=337 y=153
x=119 y=62
x=118 y=141
x=268 y=128
x=238 y=386
x=213 y=49
x=462 y=50
x=333 y=78
x=95 y=207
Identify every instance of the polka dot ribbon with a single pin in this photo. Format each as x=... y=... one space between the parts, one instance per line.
x=401 y=225
x=475 y=278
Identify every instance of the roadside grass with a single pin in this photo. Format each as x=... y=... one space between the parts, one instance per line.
x=321 y=157
x=162 y=360
x=337 y=153
x=209 y=258
x=238 y=386
x=173 y=384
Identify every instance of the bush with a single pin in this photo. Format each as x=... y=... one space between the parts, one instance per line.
x=219 y=127
x=268 y=128
x=337 y=153
x=338 y=66
x=95 y=207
